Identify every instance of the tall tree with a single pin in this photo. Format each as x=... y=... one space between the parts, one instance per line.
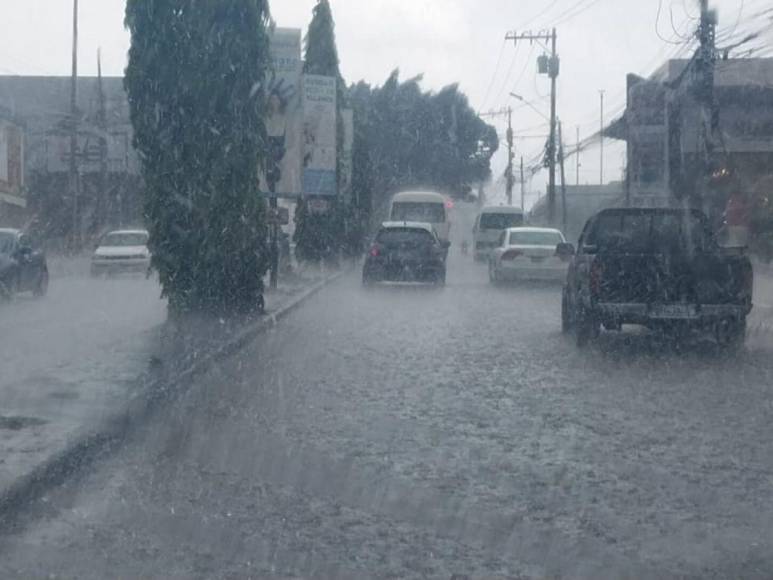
x=320 y=236
x=195 y=86
x=409 y=138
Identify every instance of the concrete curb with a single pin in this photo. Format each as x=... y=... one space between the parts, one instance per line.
x=113 y=432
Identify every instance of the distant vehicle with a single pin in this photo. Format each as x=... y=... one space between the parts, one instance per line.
x=23 y=266
x=406 y=252
x=424 y=207
x=488 y=228
x=121 y=251
x=661 y=268
x=528 y=254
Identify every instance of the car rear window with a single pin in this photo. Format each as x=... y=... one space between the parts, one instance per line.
x=535 y=239
x=500 y=221
x=125 y=239
x=429 y=212
x=404 y=235
x=649 y=232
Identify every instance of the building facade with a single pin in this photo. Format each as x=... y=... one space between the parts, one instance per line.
x=13 y=201
x=677 y=155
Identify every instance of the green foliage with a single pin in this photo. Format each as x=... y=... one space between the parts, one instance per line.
x=320 y=237
x=194 y=80
x=408 y=138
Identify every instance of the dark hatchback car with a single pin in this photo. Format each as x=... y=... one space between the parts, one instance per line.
x=23 y=266
x=406 y=252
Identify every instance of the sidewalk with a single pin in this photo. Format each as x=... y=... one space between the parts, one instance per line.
x=44 y=416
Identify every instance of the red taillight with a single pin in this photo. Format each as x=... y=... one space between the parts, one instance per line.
x=375 y=251
x=511 y=254
x=596 y=273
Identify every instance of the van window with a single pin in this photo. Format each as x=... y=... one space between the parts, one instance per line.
x=500 y=221
x=410 y=211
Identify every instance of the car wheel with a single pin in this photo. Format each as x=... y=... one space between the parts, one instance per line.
x=493 y=277
x=367 y=281
x=567 y=319
x=731 y=333
x=6 y=293
x=440 y=278
x=41 y=287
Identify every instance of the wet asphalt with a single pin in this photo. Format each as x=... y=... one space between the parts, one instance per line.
x=419 y=432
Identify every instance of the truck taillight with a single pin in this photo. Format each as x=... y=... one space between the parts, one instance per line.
x=375 y=251
x=596 y=274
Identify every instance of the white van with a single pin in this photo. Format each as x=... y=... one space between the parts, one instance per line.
x=489 y=225
x=422 y=206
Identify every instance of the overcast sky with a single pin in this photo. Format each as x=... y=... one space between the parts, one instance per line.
x=448 y=41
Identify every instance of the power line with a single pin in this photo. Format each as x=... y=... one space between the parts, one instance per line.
x=583 y=9
x=494 y=76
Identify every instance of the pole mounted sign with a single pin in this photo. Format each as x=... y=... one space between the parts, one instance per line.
x=319 y=136
x=282 y=174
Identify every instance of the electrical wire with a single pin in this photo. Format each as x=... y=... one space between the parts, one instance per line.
x=494 y=76
x=657 y=25
x=564 y=20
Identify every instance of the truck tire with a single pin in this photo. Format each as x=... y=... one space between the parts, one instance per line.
x=567 y=319
x=587 y=328
x=731 y=333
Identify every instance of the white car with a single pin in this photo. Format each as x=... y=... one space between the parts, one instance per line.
x=528 y=254
x=121 y=251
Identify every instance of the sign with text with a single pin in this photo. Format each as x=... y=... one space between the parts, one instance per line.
x=282 y=173
x=11 y=159
x=319 y=135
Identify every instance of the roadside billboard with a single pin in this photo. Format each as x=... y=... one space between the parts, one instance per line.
x=11 y=160
x=346 y=168
x=282 y=174
x=319 y=135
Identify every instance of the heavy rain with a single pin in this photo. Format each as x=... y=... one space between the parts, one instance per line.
x=346 y=289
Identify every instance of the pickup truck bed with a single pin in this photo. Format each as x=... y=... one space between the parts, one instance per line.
x=658 y=268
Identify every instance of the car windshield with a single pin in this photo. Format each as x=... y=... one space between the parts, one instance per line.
x=119 y=239
x=527 y=238
x=500 y=221
x=6 y=242
x=418 y=212
x=389 y=289
x=394 y=236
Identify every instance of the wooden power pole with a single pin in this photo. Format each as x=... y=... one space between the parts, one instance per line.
x=549 y=65
x=73 y=175
x=563 y=178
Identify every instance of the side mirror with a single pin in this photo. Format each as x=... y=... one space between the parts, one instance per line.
x=445 y=244
x=565 y=250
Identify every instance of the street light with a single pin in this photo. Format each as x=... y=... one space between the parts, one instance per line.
x=531 y=105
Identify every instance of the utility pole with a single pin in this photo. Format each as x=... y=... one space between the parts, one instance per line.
x=73 y=176
x=103 y=203
x=563 y=178
x=523 y=188
x=510 y=155
x=550 y=66
x=704 y=68
x=577 y=160
x=601 y=136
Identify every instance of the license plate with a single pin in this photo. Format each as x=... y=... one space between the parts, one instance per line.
x=537 y=260
x=673 y=311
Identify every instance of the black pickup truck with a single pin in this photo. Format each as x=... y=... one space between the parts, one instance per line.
x=661 y=268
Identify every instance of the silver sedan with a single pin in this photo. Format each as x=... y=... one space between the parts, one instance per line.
x=528 y=254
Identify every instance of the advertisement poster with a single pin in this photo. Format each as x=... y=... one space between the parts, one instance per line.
x=11 y=159
x=347 y=116
x=319 y=135
x=282 y=175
